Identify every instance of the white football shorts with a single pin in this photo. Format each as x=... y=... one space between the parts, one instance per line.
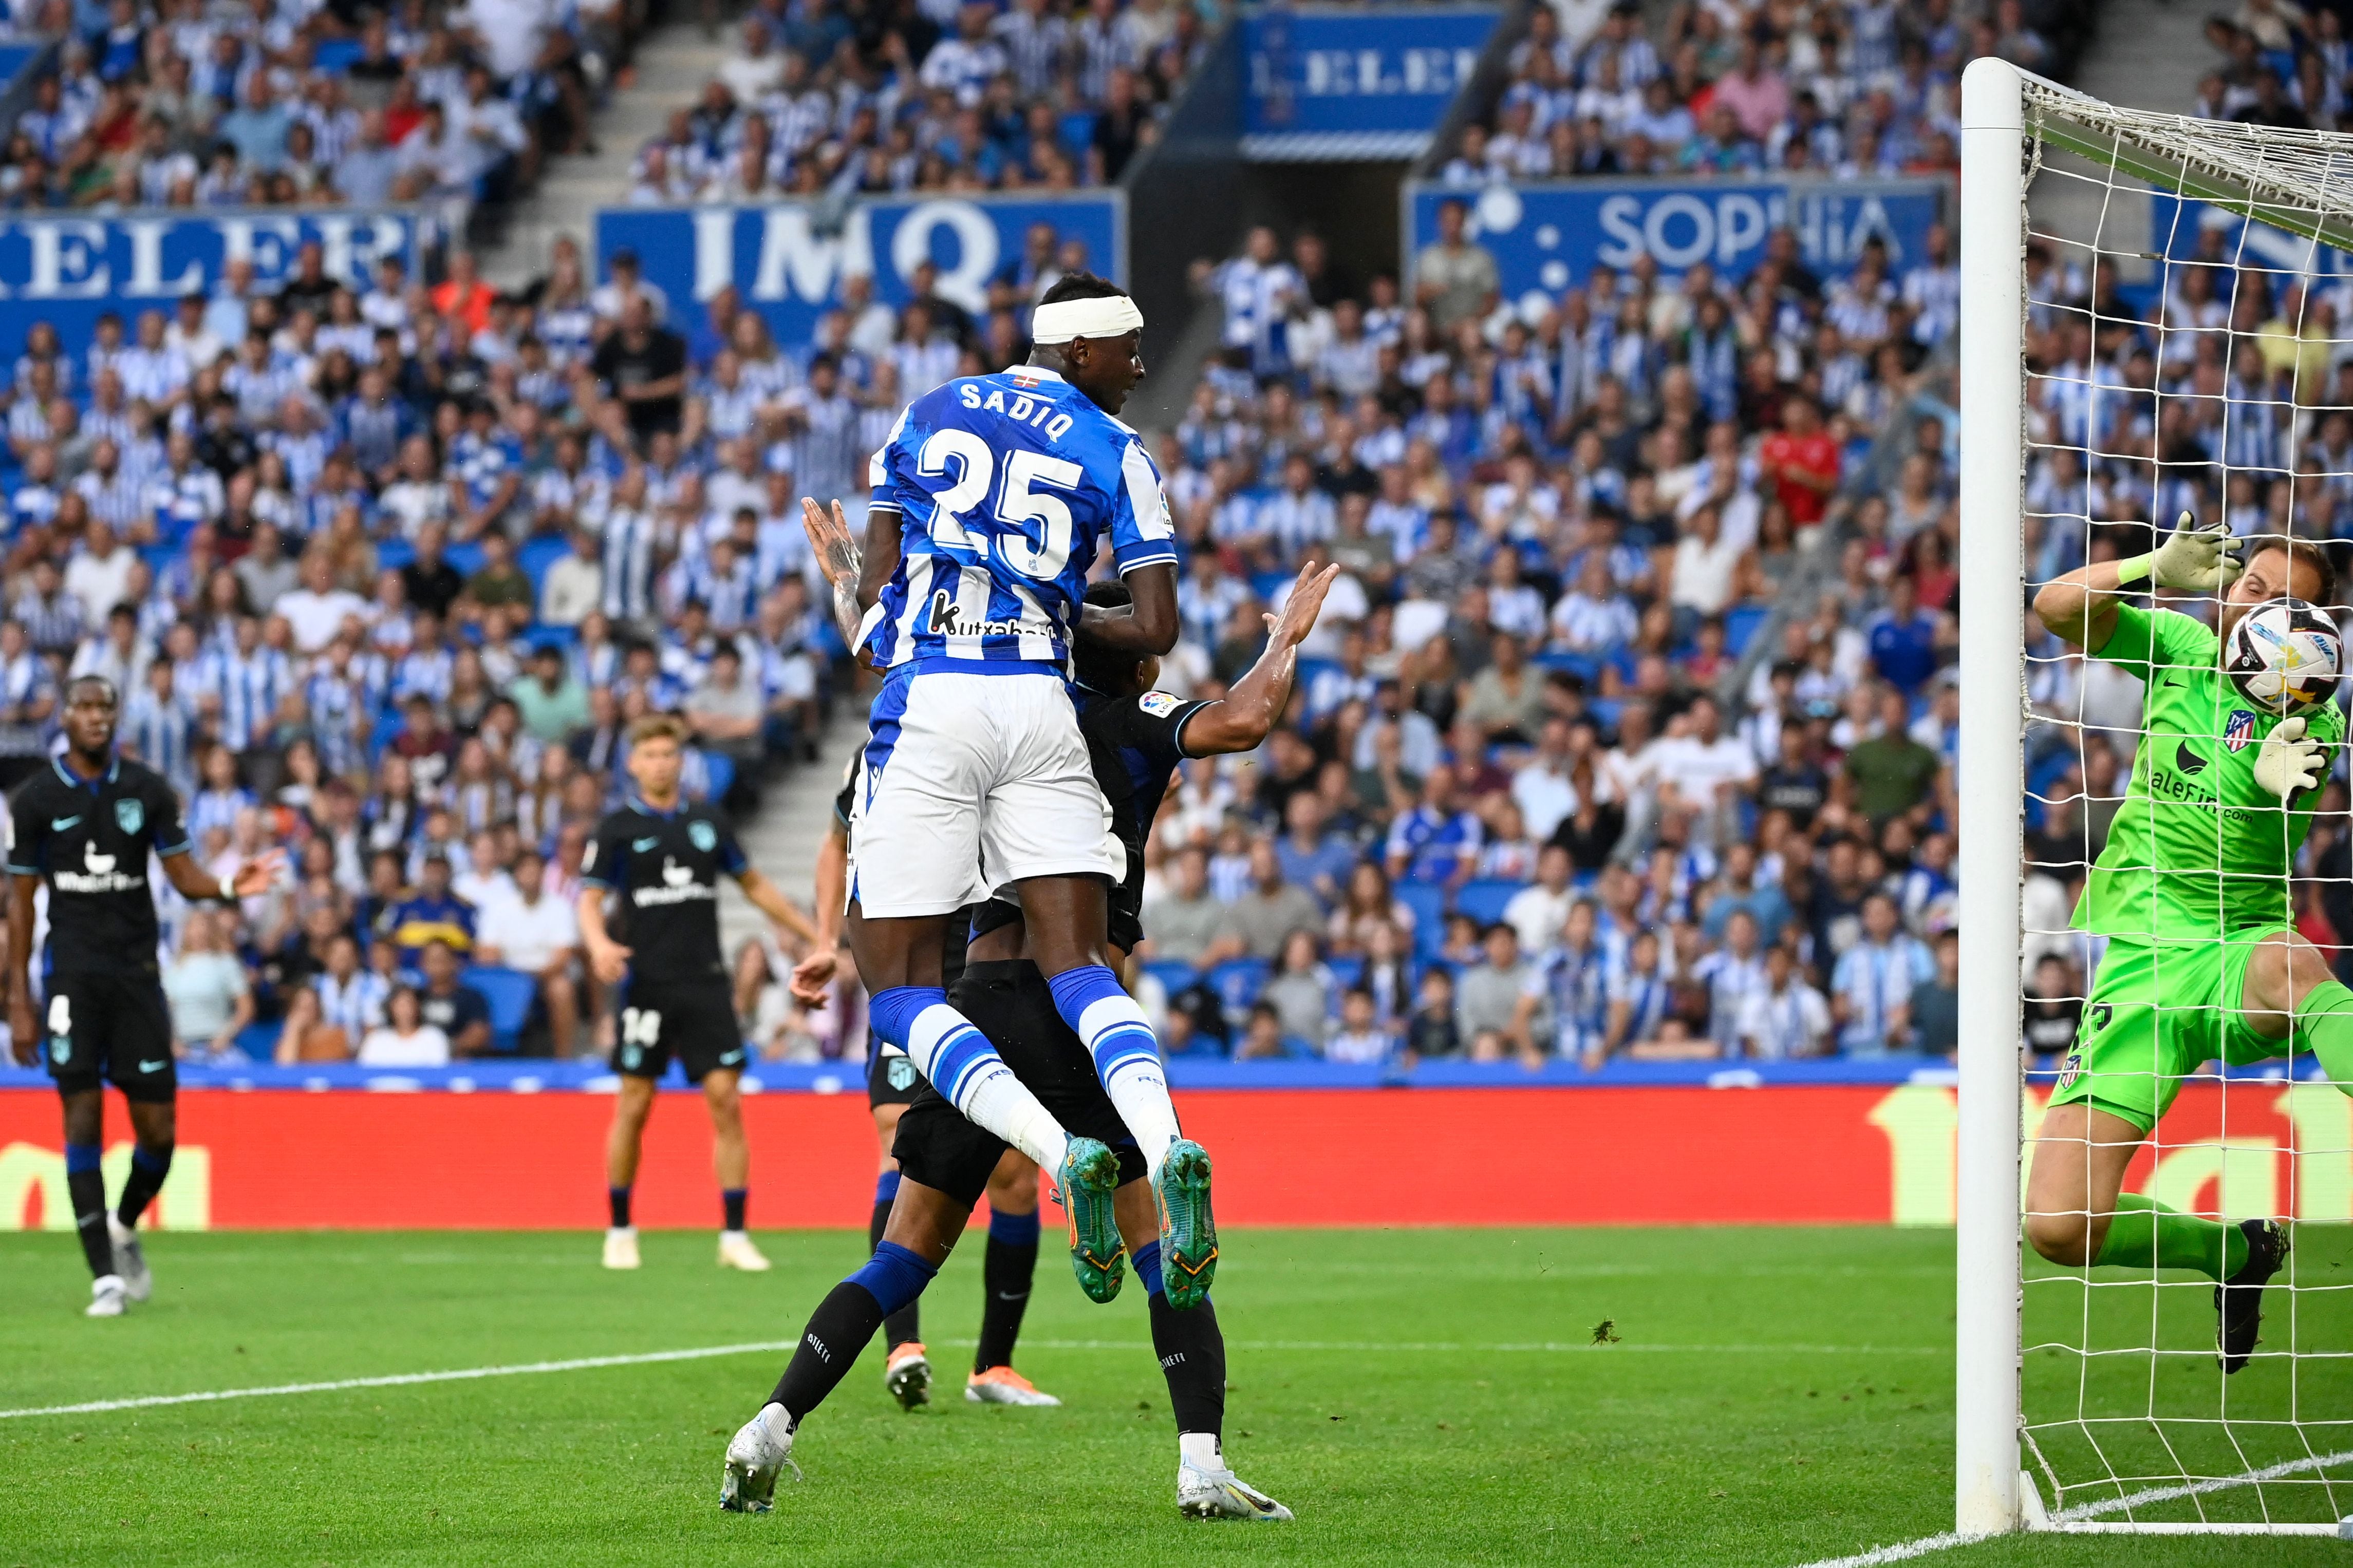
x=971 y=782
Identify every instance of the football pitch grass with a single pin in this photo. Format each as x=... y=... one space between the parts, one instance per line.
x=1773 y=1396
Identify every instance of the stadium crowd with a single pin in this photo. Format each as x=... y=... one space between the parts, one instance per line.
x=1529 y=801
x=835 y=100
x=382 y=576
x=1851 y=88
x=176 y=103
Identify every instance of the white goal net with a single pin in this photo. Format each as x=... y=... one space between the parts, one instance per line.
x=2157 y=317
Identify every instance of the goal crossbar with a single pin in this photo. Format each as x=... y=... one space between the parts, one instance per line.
x=2234 y=167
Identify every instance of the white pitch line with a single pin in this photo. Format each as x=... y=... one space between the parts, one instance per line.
x=2082 y=1512
x=2200 y=1489
x=587 y=1364
x=400 y=1380
x=1900 y=1552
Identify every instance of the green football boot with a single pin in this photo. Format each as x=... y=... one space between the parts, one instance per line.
x=1089 y=1176
x=1189 y=1236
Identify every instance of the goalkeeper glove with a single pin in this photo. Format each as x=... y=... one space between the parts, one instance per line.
x=2289 y=762
x=2204 y=559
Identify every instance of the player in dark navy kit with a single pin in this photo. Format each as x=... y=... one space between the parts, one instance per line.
x=661 y=857
x=1135 y=737
x=1010 y=1264
x=86 y=825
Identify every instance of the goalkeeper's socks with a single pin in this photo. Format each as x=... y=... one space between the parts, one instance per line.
x=2145 y=1234
x=1192 y=1354
x=1126 y=1057
x=844 y=1321
x=2324 y=1025
x=902 y=1325
x=85 y=1189
x=1005 y=1273
x=148 y=1169
x=966 y=1071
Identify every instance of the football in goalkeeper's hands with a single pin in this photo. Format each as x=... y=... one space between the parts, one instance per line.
x=2285 y=655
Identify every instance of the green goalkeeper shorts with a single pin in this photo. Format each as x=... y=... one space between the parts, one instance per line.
x=2158 y=1011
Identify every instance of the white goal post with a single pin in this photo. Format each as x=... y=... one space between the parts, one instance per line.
x=2016 y=130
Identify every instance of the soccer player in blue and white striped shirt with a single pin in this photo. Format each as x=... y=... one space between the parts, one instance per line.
x=991 y=500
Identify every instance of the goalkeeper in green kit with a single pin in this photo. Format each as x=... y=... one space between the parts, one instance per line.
x=2192 y=893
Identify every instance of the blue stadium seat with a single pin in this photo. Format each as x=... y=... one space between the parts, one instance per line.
x=1586 y=666
x=393 y=553
x=1483 y=901
x=1427 y=902
x=721 y=767
x=1238 y=981
x=1346 y=968
x=1176 y=976
x=538 y=553
x=509 y=993
x=1740 y=624
x=564 y=637
x=465 y=558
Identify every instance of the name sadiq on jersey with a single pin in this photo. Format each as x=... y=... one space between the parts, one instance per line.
x=678 y=887
x=1022 y=410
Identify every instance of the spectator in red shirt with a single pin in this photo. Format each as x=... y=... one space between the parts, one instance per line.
x=1801 y=460
x=463 y=296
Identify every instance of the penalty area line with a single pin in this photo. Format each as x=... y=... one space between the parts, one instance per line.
x=706 y=1352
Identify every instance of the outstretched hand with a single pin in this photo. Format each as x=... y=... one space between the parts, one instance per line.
x=257 y=875
x=812 y=983
x=837 y=554
x=1297 y=617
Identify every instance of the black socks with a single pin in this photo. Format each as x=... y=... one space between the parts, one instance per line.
x=148 y=1169
x=1009 y=1265
x=836 y=1331
x=86 y=1187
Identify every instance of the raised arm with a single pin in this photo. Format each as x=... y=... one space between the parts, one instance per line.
x=839 y=557
x=2080 y=608
x=1147 y=626
x=1256 y=700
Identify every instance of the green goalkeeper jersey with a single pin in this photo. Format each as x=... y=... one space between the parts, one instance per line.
x=2197 y=848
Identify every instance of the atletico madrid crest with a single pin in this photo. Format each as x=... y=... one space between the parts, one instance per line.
x=2238 y=730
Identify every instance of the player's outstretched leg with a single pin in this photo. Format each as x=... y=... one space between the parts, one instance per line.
x=1192 y=1352
x=836 y=1331
x=2239 y=1298
x=1127 y=1059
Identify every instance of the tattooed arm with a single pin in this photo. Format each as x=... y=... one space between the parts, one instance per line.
x=839 y=557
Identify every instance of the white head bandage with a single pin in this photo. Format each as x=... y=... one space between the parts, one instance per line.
x=1107 y=318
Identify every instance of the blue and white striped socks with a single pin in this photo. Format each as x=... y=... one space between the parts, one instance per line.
x=1127 y=1057
x=966 y=1071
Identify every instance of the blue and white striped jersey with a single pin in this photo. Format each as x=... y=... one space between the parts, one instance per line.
x=1006 y=485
